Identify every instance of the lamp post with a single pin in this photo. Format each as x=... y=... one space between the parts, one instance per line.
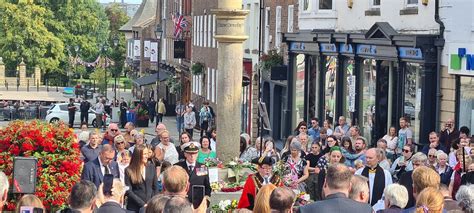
x=158 y=34
x=104 y=48
x=76 y=49
x=116 y=41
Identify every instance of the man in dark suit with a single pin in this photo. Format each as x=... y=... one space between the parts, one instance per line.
x=95 y=170
x=336 y=188
x=113 y=198
x=198 y=173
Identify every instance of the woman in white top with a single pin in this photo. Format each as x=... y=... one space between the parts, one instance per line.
x=328 y=127
x=123 y=164
x=392 y=140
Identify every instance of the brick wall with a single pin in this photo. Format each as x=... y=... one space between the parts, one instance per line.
x=448 y=92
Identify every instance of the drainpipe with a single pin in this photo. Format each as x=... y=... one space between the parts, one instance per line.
x=439 y=43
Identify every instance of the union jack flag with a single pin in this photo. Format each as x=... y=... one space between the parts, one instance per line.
x=180 y=24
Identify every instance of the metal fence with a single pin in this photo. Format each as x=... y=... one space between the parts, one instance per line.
x=23 y=113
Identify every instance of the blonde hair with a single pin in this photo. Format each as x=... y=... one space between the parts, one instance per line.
x=29 y=200
x=424 y=177
x=175 y=179
x=262 y=204
x=430 y=199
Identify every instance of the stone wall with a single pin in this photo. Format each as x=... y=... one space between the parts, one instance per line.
x=448 y=99
x=23 y=80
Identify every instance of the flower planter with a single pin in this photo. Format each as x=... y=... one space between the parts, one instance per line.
x=142 y=123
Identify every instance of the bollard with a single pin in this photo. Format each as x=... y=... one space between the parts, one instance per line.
x=37 y=86
x=57 y=90
x=28 y=85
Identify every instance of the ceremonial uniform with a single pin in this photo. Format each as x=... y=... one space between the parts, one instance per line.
x=254 y=182
x=198 y=173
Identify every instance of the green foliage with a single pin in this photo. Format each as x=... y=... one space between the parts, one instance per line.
x=197 y=68
x=117 y=18
x=173 y=85
x=273 y=58
x=99 y=75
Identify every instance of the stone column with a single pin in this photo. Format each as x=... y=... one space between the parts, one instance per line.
x=37 y=76
x=230 y=35
x=2 y=72
x=22 y=73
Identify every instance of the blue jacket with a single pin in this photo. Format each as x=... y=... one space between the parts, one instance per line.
x=93 y=173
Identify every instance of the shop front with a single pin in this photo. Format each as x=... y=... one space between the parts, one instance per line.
x=371 y=79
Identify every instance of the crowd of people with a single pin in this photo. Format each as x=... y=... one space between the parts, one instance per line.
x=337 y=168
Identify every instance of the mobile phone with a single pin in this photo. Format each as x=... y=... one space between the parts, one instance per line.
x=198 y=195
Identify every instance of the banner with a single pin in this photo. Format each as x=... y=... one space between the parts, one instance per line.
x=147 y=49
x=136 y=50
x=154 y=52
x=179 y=49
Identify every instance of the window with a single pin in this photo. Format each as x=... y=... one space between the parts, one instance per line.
x=306 y=5
x=349 y=90
x=325 y=4
x=209 y=30
x=290 y=18
x=299 y=90
x=330 y=79
x=208 y=83
x=194 y=30
x=214 y=23
x=204 y=23
x=367 y=97
x=466 y=102
x=376 y=3
x=266 y=45
x=412 y=93
x=411 y=2
x=278 y=27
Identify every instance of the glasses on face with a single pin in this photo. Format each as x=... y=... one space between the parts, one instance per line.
x=406 y=150
x=431 y=156
x=114 y=130
x=302 y=127
x=416 y=164
x=120 y=143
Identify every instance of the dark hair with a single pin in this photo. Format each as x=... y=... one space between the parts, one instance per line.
x=302 y=123
x=347 y=139
x=84 y=123
x=178 y=204
x=165 y=165
x=243 y=145
x=465 y=130
x=82 y=195
x=185 y=133
x=202 y=138
x=281 y=199
x=315 y=119
x=157 y=203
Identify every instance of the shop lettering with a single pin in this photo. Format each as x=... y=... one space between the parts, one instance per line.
x=406 y=52
x=367 y=49
x=457 y=59
x=297 y=46
x=328 y=48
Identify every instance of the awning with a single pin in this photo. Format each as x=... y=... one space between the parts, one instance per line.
x=150 y=79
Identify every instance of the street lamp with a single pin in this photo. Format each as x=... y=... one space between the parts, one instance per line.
x=158 y=34
x=116 y=41
x=104 y=48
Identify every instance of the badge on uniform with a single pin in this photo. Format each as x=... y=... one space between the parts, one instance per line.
x=202 y=171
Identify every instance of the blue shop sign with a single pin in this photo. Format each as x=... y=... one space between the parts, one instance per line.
x=413 y=53
x=328 y=48
x=366 y=49
x=346 y=48
x=297 y=46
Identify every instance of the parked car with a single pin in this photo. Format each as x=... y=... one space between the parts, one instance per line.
x=59 y=112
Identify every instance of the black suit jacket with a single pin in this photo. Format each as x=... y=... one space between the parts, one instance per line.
x=194 y=179
x=407 y=182
x=337 y=202
x=111 y=207
x=139 y=194
x=92 y=171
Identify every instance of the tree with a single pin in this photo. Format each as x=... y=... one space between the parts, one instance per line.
x=117 y=18
x=24 y=35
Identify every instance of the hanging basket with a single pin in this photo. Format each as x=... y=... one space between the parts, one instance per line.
x=197 y=68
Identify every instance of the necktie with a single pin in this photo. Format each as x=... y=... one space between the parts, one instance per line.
x=266 y=180
x=191 y=168
x=106 y=169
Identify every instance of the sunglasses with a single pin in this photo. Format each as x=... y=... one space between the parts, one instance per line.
x=119 y=143
x=114 y=130
x=431 y=156
x=302 y=127
x=406 y=150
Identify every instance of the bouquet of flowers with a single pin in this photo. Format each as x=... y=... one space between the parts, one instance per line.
x=217 y=186
x=235 y=166
x=213 y=162
x=289 y=180
x=225 y=206
x=302 y=199
x=57 y=151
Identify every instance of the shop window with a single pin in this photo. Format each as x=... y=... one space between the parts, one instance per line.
x=376 y=3
x=367 y=98
x=330 y=88
x=412 y=102
x=325 y=4
x=466 y=102
x=412 y=3
x=349 y=90
x=299 y=90
x=306 y=5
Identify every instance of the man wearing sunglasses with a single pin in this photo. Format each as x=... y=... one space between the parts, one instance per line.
x=109 y=136
x=403 y=163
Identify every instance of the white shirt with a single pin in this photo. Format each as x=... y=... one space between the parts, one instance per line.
x=388 y=180
x=122 y=172
x=213 y=145
x=171 y=155
x=102 y=168
x=189 y=164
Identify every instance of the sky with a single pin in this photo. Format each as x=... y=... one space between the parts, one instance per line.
x=126 y=1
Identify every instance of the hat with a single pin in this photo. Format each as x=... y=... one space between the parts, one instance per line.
x=263 y=160
x=190 y=147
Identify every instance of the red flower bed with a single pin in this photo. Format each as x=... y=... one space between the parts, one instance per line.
x=55 y=147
